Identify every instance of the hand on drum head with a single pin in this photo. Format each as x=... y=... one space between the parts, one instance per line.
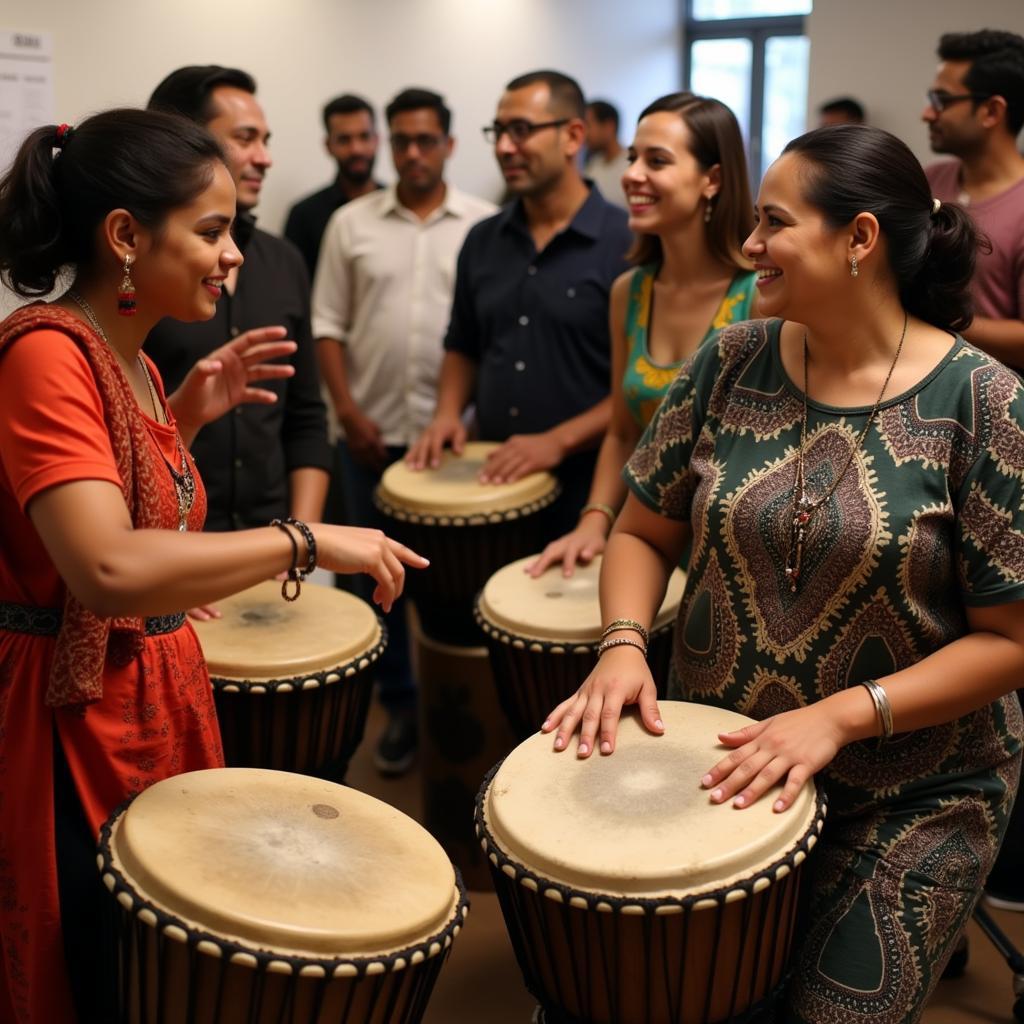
x=621 y=677
x=582 y=545
x=442 y=431
x=351 y=549
x=521 y=455
x=792 y=746
x=204 y=612
x=225 y=378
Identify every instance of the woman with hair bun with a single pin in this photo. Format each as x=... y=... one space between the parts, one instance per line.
x=850 y=475
x=689 y=203
x=103 y=688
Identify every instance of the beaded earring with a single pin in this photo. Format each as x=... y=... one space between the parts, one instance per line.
x=707 y=212
x=126 y=293
x=854 y=269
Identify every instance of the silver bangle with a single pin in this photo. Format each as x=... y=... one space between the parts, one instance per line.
x=623 y=641
x=882 y=706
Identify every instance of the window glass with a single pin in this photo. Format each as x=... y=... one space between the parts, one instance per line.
x=785 y=94
x=717 y=10
x=720 y=68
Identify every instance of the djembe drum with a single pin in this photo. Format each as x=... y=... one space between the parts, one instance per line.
x=543 y=634
x=247 y=896
x=291 y=680
x=467 y=529
x=628 y=896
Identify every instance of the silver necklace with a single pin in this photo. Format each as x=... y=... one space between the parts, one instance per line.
x=185 y=481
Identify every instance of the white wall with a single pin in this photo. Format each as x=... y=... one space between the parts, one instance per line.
x=883 y=53
x=110 y=52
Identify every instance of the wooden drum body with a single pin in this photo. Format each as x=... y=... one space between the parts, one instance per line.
x=629 y=898
x=292 y=680
x=468 y=530
x=248 y=896
x=543 y=634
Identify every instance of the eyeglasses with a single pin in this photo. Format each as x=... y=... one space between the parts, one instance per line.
x=425 y=143
x=939 y=100
x=519 y=131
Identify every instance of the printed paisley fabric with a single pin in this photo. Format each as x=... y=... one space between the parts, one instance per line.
x=927 y=521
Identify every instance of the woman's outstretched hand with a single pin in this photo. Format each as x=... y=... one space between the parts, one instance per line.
x=620 y=678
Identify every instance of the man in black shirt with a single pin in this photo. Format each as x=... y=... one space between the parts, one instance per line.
x=260 y=461
x=528 y=338
x=352 y=141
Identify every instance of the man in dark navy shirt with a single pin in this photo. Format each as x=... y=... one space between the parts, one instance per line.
x=260 y=461
x=352 y=140
x=528 y=338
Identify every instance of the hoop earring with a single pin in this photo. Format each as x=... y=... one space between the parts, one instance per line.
x=707 y=212
x=854 y=269
x=126 y=293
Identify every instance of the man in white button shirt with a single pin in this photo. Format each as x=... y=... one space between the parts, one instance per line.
x=381 y=302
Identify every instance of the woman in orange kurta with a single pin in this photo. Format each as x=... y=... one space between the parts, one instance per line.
x=103 y=689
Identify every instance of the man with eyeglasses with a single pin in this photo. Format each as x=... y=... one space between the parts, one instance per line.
x=528 y=339
x=381 y=301
x=975 y=112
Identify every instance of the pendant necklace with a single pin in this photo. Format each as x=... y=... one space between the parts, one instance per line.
x=184 y=482
x=804 y=506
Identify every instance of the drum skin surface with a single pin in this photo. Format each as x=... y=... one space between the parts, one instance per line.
x=453 y=491
x=628 y=896
x=261 y=636
x=293 y=893
x=559 y=609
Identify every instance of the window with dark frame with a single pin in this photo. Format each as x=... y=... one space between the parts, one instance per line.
x=753 y=56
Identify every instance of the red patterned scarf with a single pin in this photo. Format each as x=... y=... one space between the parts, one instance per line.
x=85 y=640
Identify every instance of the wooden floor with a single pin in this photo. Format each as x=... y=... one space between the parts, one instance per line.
x=481 y=983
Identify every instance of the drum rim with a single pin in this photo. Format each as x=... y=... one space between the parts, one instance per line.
x=132 y=901
x=494 y=517
x=305 y=681
x=540 y=645
x=602 y=902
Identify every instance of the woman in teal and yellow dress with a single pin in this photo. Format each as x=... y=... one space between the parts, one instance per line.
x=689 y=203
x=850 y=477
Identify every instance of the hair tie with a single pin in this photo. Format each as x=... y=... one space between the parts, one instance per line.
x=64 y=133
x=935 y=206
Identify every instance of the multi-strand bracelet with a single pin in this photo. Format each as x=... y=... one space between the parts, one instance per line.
x=296 y=575
x=882 y=706
x=623 y=641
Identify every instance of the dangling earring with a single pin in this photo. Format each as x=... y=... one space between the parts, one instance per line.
x=126 y=293
x=707 y=212
x=854 y=270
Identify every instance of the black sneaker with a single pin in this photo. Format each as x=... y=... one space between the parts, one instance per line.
x=396 y=748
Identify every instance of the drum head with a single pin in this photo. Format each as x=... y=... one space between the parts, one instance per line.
x=262 y=636
x=285 y=862
x=454 y=490
x=553 y=608
x=637 y=822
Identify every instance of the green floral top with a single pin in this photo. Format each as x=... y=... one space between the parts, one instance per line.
x=926 y=521
x=645 y=381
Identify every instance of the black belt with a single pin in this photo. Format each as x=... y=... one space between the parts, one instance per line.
x=27 y=618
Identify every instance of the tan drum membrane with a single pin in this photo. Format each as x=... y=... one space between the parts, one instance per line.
x=270 y=873
x=543 y=633
x=629 y=897
x=291 y=678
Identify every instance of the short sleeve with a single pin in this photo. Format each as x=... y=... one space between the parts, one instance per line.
x=990 y=510
x=52 y=430
x=463 y=334
x=332 y=285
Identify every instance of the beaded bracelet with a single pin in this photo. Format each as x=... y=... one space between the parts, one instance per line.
x=597 y=506
x=622 y=641
x=882 y=706
x=307 y=535
x=630 y=624
x=294 y=576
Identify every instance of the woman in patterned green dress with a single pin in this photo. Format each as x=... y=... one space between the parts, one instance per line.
x=851 y=475
x=689 y=202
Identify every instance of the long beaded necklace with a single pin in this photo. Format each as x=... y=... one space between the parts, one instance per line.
x=184 y=482
x=805 y=507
